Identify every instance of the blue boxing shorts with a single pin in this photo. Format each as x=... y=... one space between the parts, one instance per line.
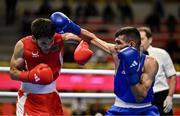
x=147 y=111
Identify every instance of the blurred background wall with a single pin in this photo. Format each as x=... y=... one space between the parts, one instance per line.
x=103 y=17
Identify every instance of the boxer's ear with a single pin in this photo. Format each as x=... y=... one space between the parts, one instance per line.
x=132 y=44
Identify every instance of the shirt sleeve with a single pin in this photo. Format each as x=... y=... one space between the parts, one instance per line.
x=168 y=65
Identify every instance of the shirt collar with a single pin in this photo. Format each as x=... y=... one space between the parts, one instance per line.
x=150 y=47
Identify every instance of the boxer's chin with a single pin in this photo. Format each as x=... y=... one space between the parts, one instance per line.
x=45 y=50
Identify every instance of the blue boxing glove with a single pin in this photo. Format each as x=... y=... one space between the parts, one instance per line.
x=129 y=56
x=63 y=24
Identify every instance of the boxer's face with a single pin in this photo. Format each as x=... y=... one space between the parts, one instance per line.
x=120 y=42
x=45 y=43
x=145 y=42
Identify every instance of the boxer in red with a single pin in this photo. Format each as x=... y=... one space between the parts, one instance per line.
x=36 y=62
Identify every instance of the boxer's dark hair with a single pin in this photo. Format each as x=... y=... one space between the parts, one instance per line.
x=42 y=27
x=147 y=30
x=131 y=33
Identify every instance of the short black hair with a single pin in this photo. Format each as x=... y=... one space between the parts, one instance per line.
x=42 y=27
x=131 y=33
x=147 y=30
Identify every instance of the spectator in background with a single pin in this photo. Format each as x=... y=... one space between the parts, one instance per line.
x=45 y=9
x=10 y=11
x=125 y=9
x=27 y=18
x=153 y=21
x=163 y=90
x=90 y=10
x=79 y=11
x=79 y=107
x=173 y=48
x=178 y=12
x=65 y=8
x=108 y=14
x=171 y=24
x=159 y=8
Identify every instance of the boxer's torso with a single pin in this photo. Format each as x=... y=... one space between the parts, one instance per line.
x=122 y=88
x=33 y=56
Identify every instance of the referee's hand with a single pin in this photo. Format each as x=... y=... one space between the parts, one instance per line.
x=168 y=104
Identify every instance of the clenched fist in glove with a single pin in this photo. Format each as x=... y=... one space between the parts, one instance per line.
x=41 y=74
x=129 y=56
x=63 y=24
x=82 y=53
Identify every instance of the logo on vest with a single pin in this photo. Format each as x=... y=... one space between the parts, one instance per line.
x=36 y=78
x=55 y=48
x=35 y=54
x=134 y=64
x=123 y=72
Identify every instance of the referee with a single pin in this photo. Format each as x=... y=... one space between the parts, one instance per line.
x=165 y=81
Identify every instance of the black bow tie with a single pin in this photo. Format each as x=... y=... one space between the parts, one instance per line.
x=146 y=52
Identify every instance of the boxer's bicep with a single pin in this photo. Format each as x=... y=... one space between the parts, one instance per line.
x=148 y=77
x=146 y=82
x=17 y=60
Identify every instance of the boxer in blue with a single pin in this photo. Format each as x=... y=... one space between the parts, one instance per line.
x=135 y=72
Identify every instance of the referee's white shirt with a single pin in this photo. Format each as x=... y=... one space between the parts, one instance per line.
x=166 y=68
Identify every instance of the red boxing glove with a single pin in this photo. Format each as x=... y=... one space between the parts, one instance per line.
x=82 y=53
x=41 y=74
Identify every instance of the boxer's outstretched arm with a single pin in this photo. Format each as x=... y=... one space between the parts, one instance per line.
x=65 y=25
x=140 y=90
x=89 y=36
x=70 y=36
